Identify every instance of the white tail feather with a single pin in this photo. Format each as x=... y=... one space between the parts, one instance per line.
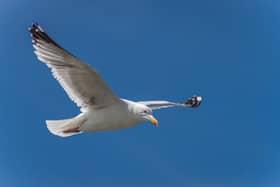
x=59 y=127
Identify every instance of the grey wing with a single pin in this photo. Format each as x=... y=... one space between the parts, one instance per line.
x=82 y=83
x=192 y=102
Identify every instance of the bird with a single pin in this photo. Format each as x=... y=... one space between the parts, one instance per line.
x=101 y=109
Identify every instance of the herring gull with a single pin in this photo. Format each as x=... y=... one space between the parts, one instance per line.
x=100 y=108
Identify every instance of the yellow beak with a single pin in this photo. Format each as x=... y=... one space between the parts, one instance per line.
x=153 y=120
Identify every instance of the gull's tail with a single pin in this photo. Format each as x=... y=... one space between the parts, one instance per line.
x=66 y=127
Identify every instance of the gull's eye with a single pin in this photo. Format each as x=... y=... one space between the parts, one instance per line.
x=145 y=111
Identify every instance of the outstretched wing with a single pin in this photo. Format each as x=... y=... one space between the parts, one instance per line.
x=192 y=102
x=82 y=83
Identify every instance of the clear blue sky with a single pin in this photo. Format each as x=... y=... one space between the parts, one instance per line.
x=227 y=51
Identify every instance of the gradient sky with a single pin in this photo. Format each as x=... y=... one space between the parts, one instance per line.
x=226 y=51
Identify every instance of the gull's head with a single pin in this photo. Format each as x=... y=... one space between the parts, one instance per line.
x=144 y=113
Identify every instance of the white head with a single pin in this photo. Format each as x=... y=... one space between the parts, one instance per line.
x=144 y=113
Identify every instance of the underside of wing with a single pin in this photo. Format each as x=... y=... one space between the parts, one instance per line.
x=82 y=83
x=192 y=102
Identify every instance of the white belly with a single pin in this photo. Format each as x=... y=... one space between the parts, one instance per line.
x=113 y=118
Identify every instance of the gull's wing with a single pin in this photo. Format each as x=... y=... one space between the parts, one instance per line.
x=192 y=102
x=82 y=83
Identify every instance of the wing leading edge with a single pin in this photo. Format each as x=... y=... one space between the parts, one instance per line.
x=192 y=102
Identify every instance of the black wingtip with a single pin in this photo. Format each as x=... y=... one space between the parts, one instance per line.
x=194 y=101
x=38 y=34
x=35 y=27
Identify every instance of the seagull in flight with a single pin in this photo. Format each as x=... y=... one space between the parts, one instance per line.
x=101 y=109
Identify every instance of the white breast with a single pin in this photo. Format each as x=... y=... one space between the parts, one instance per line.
x=109 y=118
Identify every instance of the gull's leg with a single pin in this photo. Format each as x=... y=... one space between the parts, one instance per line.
x=73 y=130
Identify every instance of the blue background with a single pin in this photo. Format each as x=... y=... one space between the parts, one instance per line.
x=227 y=51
